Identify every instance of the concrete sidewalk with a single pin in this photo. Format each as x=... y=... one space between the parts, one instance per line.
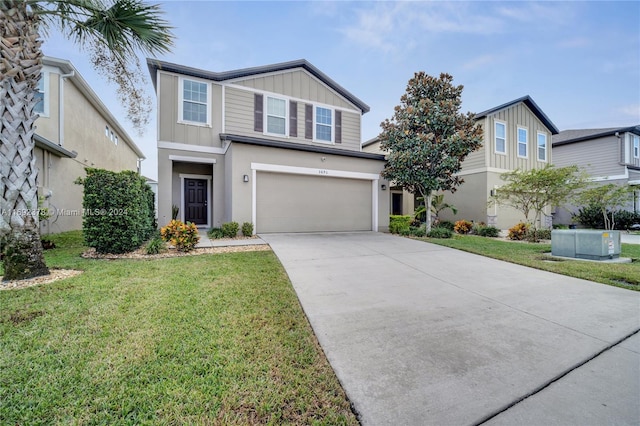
x=422 y=334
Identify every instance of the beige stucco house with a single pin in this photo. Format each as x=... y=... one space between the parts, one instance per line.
x=610 y=155
x=517 y=135
x=75 y=130
x=276 y=145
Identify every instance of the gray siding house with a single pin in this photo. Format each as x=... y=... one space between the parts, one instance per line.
x=276 y=145
x=517 y=135
x=610 y=155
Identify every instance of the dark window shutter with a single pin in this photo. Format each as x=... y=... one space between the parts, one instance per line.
x=258 y=107
x=308 y=121
x=338 y=126
x=293 y=119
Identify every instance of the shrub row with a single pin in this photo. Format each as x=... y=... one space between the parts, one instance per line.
x=119 y=211
x=591 y=217
x=230 y=230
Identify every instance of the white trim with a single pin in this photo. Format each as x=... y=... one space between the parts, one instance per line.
x=207 y=83
x=482 y=170
x=192 y=148
x=615 y=177
x=224 y=108
x=309 y=171
x=526 y=142
x=208 y=178
x=546 y=147
x=188 y=159
x=495 y=136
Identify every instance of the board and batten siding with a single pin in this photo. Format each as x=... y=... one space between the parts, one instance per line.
x=515 y=116
x=169 y=127
x=599 y=157
x=297 y=84
x=239 y=120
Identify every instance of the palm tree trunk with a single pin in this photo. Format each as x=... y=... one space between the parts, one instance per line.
x=20 y=66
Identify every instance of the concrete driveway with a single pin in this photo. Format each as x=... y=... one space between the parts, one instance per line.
x=419 y=334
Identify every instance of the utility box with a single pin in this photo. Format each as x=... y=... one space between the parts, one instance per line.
x=585 y=244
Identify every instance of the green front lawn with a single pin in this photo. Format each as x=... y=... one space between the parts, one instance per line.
x=209 y=339
x=538 y=256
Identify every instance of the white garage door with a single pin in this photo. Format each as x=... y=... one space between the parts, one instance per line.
x=302 y=203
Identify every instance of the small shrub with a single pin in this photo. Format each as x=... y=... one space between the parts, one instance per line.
x=156 y=245
x=487 y=231
x=518 y=232
x=399 y=224
x=405 y=232
x=560 y=226
x=183 y=236
x=247 y=229
x=439 y=232
x=444 y=224
x=215 y=233
x=535 y=235
x=463 y=226
x=418 y=231
x=230 y=229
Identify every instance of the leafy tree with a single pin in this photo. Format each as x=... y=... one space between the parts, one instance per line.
x=608 y=199
x=428 y=137
x=530 y=191
x=112 y=31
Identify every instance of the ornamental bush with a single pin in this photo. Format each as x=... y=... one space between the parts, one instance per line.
x=519 y=231
x=118 y=210
x=215 y=233
x=440 y=233
x=230 y=229
x=487 y=231
x=183 y=236
x=399 y=224
x=463 y=226
x=247 y=229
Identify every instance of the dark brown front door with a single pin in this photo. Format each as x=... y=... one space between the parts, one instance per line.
x=195 y=201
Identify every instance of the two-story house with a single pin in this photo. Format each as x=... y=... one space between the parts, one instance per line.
x=75 y=130
x=276 y=145
x=517 y=135
x=610 y=155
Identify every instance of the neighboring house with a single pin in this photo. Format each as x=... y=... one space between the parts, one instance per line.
x=75 y=130
x=276 y=145
x=610 y=155
x=517 y=135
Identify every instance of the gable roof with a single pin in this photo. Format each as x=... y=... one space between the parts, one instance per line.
x=579 y=135
x=531 y=105
x=155 y=65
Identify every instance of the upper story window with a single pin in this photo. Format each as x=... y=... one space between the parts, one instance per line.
x=324 y=124
x=523 y=142
x=41 y=106
x=276 y=116
x=542 y=147
x=195 y=102
x=636 y=146
x=500 y=137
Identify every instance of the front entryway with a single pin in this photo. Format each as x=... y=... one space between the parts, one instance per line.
x=195 y=201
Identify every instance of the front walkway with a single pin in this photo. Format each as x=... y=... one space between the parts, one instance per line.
x=420 y=334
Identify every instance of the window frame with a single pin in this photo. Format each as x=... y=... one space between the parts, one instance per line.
x=495 y=137
x=635 y=143
x=182 y=100
x=44 y=80
x=267 y=115
x=546 y=146
x=519 y=142
x=332 y=126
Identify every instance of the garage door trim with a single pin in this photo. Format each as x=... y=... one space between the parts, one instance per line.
x=310 y=171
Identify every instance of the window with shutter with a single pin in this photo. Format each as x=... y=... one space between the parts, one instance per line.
x=257 y=112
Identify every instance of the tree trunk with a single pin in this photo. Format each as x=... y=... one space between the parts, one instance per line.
x=427 y=200
x=20 y=67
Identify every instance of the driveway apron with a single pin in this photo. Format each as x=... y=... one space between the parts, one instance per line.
x=420 y=334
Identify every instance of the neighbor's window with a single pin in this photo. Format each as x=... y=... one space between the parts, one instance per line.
x=40 y=94
x=501 y=138
x=276 y=116
x=523 y=138
x=323 y=124
x=636 y=146
x=195 y=101
x=542 y=147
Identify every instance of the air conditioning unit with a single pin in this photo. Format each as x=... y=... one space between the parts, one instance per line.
x=585 y=244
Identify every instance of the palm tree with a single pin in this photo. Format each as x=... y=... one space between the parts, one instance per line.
x=112 y=31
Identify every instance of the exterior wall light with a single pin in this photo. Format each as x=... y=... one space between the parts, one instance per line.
x=383 y=187
x=245 y=178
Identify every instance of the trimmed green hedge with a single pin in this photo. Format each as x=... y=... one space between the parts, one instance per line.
x=119 y=212
x=399 y=224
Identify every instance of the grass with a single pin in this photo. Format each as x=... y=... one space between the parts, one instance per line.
x=209 y=339
x=537 y=255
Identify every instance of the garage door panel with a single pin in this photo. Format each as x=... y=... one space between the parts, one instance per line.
x=301 y=203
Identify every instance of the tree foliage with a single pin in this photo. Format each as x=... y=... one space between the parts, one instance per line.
x=428 y=137
x=608 y=199
x=530 y=191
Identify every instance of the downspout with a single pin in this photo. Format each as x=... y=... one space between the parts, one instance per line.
x=61 y=106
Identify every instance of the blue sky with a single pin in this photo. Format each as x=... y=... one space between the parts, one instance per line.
x=580 y=61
